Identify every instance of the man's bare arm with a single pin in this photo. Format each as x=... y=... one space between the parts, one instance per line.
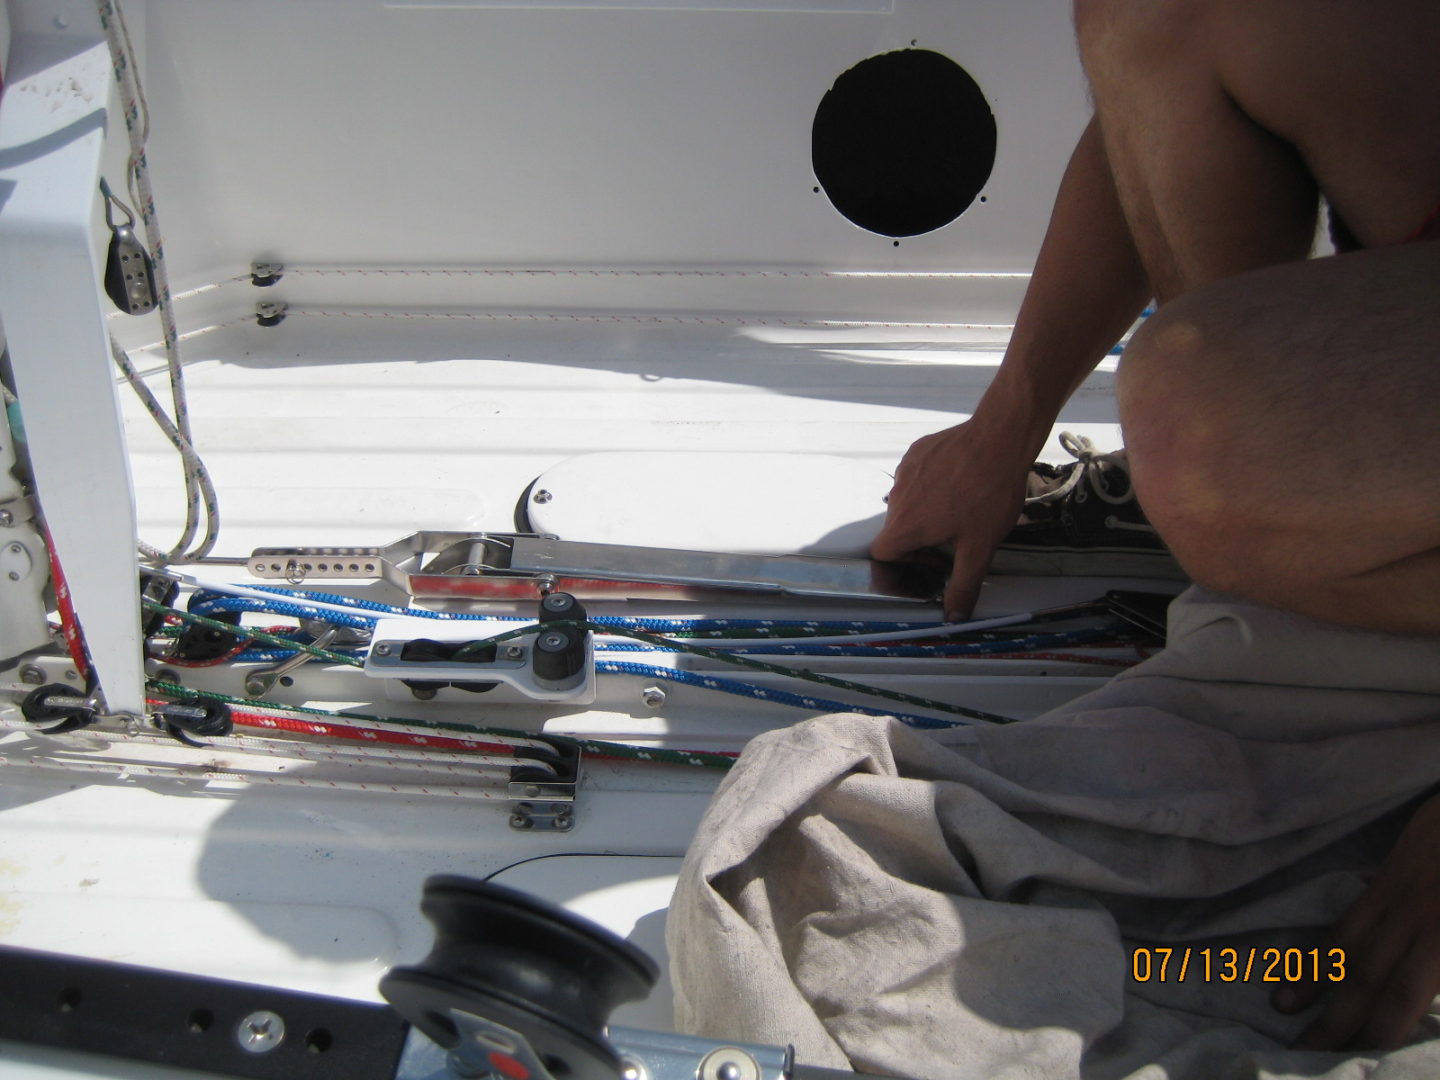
x=964 y=485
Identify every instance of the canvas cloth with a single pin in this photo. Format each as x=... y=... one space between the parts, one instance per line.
x=969 y=910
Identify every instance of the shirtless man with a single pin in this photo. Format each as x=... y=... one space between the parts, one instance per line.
x=1280 y=414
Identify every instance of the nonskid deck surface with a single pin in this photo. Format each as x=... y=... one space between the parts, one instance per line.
x=343 y=431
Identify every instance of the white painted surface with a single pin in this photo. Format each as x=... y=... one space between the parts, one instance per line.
x=56 y=101
x=515 y=237
x=731 y=500
x=359 y=135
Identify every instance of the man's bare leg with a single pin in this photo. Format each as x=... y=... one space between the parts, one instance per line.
x=1283 y=437
x=1277 y=422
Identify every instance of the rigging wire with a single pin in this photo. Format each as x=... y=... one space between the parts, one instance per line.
x=137 y=179
x=190 y=460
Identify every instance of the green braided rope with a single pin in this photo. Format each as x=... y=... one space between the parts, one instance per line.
x=256 y=635
x=639 y=635
x=595 y=747
x=753 y=664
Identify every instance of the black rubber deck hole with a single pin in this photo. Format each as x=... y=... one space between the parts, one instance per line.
x=200 y=1021
x=68 y=999
x=318 y=1040
x=903 y=142
x=558 y=1067
x=286 y=680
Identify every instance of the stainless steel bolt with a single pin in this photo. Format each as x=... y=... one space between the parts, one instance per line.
x=532 y=791
x=728 y=1063
x=14 y=575
x=382 y=649
x=542 y=497
x=260 y=1032
x=514 y=652
x=6 y=519
x=653 y=696
x=33 y=675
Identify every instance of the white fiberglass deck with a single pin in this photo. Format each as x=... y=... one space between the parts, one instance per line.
x=716 y=303
x=351 y=430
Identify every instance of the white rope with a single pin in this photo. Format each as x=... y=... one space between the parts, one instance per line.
x=137 y=126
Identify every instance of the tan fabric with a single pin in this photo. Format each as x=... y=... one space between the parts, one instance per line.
x=969 y=910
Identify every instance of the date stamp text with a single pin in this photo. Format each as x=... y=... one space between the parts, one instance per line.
x=1250 y=964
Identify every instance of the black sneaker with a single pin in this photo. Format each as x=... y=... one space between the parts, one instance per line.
x=1083 y=519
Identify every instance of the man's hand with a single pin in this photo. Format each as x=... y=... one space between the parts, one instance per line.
x=957 y=486
x=1391 y=938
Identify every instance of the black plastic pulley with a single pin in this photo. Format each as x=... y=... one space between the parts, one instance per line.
x=200 y=643
x=194 y=716
x=57 y=702
x=561 y=605
x=559 y=658
x=514 y=983
x=160 y=590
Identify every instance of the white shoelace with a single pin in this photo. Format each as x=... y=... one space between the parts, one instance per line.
x=1093 y=464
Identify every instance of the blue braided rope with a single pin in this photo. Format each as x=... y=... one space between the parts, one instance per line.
x=653 y=625
x=214 y=603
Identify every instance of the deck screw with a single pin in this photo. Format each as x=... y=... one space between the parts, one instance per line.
x=32 y=675
x=260 y=1032
x=653 y=696
x=6 y=519
x=542 y=496
x=382 y=649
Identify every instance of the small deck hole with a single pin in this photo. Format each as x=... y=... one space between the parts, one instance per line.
x=318 y=1040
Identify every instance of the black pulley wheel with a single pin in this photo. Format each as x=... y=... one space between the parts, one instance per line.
x=525 y=964
x=559 y=658
x=38 y=708
x=561 y=605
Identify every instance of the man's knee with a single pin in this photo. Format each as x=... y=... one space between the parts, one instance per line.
x=1180 y=440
